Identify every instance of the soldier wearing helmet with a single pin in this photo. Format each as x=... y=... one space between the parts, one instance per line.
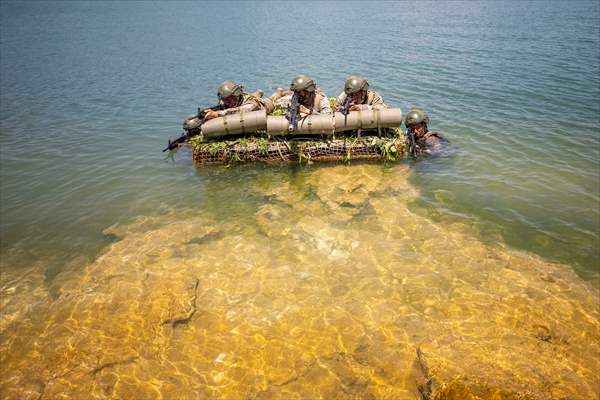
x=417 y=121
x=234 y=100
x=311 y=98
x=361 y=98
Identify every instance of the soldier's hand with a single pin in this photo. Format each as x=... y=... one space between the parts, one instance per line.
x=210 y=114
x=357 y=107
x=303 y=109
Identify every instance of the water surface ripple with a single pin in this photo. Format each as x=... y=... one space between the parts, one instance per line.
x=90 y=91
x=307 y=280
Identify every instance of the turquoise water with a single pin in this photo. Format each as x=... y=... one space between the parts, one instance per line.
x=90 y=92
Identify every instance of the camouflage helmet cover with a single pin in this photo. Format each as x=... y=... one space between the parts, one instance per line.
x=229 y=88
x=355 y=84
x=415 y=117
x=303 y=82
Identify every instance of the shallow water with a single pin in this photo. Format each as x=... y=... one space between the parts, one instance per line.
x=329 y=286
x=90 y=92
x=123 y=275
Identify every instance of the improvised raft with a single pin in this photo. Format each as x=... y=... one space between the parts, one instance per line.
x=256 y=136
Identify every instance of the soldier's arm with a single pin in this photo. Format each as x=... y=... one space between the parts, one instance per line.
x=282 y=101
x=340 y=101
x=377 y=103
x=324 y=107
x=249 y=105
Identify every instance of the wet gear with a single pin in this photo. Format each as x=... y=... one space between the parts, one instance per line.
x=415 y=117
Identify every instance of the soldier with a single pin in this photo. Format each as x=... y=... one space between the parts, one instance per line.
x=233 y=100
x=361 y=98
x=426 y=141
x=310 y=97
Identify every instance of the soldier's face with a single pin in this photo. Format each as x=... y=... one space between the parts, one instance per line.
x=419 y=129
x=357 y=97
x=304 y=94
x=230 y=101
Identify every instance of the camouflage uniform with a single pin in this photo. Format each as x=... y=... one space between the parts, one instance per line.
x=373 y=101
x=430 y=142
x=320 y=104
x=249 y=102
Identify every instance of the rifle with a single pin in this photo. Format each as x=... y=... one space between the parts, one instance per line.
x=202 y=111
x=412 y=145
x=346 y=108
x=186 y=135
x=292 y=115
x=175 y=143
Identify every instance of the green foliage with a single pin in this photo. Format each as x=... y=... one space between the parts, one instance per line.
x=388 y=148
x=233 y=159
x=353 y=141
x=332 y=103
x=262 y=144
x=278 y=111
x=196 y=140
x=298 y=148
x=304 y=158
x=213 y=148
x=243 y=143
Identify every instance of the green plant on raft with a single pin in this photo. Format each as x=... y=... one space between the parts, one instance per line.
x=213 y=148
x=388 y=149
x=196 y=140
x=332 y=103
x=234 y=159
x=243 y=143
x=262 y=144
x=304 y=158
x=352 y=141
x=278 y=111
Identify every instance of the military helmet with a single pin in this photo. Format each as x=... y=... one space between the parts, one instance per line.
x=229 y=88
x=303 y=82
x=415 y=117
x=355 y=84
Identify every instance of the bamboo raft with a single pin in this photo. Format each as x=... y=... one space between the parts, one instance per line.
x=260 y=137
x=274 y=150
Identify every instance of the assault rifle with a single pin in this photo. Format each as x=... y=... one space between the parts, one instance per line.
x=412 y=145
x=186 y=135
x=346 y=108
x=292 y=115
x=175 y=143
x=202 y=111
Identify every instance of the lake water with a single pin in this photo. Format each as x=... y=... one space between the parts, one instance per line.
x=124 y=274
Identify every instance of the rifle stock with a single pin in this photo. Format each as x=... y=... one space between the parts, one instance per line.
x=292 y=115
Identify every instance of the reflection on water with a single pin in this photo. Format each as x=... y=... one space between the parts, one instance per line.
x=332 y=289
